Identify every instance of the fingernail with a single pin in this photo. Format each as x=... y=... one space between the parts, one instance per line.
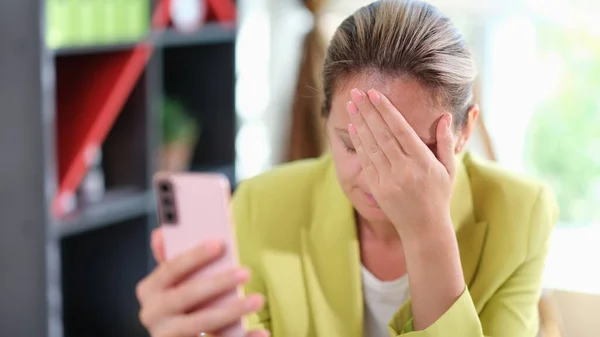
x=351 y=130
x=213 y=246
x=374 y=96
x=242 y=275
x=357 y=95
x=352 y=108
x=254 y=302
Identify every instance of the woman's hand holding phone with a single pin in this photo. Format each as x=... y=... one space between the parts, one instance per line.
x=172 y=302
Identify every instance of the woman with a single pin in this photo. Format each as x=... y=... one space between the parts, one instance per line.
x=336 y=246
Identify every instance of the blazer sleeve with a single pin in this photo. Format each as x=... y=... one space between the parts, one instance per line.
x=247 y=242
x=513 y=310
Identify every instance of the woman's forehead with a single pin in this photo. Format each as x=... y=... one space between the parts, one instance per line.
x=414 y=102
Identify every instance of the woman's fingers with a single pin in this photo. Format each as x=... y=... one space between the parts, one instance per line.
x=405 y=135
x=176 y=270
x=157 y=245
x=445 y=143
x=192 y=293
x=382 y=133
x=357 y=111
x=210 y=321
x=175 y=304
x=363 y=157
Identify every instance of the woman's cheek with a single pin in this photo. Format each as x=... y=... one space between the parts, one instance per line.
x=338 y=149
x=347 y=162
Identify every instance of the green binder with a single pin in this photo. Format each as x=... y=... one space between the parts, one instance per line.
x=96 y=22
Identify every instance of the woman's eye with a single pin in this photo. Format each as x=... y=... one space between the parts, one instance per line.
x=349 y=149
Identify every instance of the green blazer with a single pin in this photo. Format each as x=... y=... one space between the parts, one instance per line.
x=296 y=232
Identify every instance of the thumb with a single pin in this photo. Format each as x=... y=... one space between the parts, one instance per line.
x=445 y=143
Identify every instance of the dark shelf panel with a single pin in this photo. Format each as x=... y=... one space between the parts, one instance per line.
x=210 y=33
x=100 y=270
x=108 y=47
x=203 y=80
x=117 y=206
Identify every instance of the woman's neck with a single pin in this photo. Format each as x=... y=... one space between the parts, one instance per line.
x=381 y=251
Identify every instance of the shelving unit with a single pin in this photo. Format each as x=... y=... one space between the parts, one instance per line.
x=212 y=33
x=116 y=206
x=94 y=49
x=73 y=272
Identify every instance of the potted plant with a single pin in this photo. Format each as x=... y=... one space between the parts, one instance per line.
x=180 y=133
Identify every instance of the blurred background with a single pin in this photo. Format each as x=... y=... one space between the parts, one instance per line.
x=97 y=95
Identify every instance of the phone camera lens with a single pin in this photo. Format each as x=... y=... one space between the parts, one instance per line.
x=170 y=217
x=165 y=187
x=167 y=201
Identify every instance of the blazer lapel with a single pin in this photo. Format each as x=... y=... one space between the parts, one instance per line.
x=470 y=232
x=331 y=262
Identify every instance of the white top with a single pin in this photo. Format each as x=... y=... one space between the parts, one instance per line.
x=382 y=299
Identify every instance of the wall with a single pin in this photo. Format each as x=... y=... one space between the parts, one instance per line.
x=580 y=313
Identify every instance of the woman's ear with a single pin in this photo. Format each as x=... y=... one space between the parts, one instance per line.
x=467 y=129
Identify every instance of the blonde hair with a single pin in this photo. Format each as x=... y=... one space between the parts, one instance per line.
x=403 y=38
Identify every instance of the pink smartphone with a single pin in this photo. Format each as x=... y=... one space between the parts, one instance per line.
x=193 y=208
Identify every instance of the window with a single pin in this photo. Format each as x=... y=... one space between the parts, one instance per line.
x=270 y=38
x=562 y=143
x=541 y=83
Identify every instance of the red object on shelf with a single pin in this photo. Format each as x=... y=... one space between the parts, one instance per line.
x=223 y=10
x=161 y=16
x=91 y=91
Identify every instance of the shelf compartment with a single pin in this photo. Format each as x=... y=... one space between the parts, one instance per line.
x=91 y=91
x=125 y=149
x=202 y=79
x=100 y=270
x=116 y=206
